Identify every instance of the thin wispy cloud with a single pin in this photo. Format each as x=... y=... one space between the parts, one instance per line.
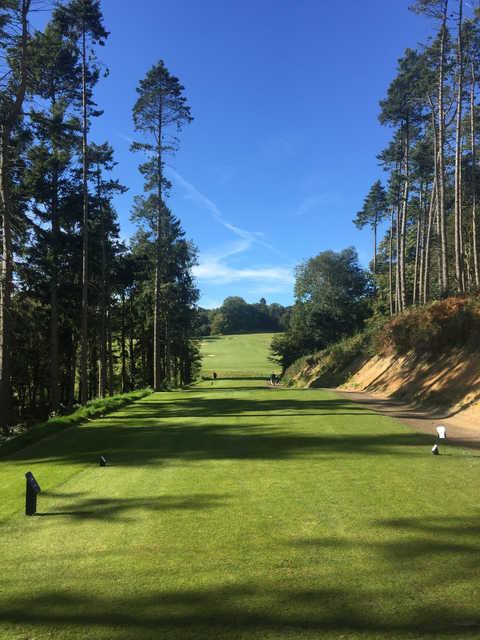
x=194 y=194
x=216 y=271
x=125 y=137
x=213 y=267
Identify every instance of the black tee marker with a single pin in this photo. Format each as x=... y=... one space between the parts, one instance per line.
x=32 y=490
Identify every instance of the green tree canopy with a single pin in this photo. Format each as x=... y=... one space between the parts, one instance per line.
x=331 y=292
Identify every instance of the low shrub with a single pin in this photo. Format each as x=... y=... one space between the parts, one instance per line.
x=453 y=322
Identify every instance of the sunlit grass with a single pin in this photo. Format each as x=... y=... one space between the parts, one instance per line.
x=238 y=355
x=241 y=511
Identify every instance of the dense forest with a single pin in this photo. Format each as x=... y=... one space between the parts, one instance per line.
x=426 y=205
x=81 y=313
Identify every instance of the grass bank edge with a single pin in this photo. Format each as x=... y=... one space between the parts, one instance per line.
x=96 y=408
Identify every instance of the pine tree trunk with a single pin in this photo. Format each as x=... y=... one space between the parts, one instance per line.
x=102 y=362
x=131 y=346
x=423 y=234
x=459 y=260
x=441 y=154
x=54 y=359
x=403 y=218
x=157 y=329
x=474 y=181
x=390 y=264
x=84 y=318
x=123 y=347
x=428 y=242
x=110 y=353
x=6 y=284
x=73 y=371
x=417 y=252
x=398 y=302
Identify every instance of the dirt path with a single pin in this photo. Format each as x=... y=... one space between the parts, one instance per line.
x=463 y=433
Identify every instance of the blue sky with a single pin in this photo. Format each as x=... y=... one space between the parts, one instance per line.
x=283 y=146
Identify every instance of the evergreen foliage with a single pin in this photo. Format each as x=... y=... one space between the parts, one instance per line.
x=75 y=302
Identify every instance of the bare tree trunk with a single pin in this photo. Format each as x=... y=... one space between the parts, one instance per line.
x=390 y=264
x=459 y=266
x=84 y=320
x=157 y=329
x=131 y=349
x=110 y=353
x=54 y=359
x=403 y=218
x=474 y=181
x=6 y=283
x=441 y=154
x=73 y=371
x=417 y=250
x=423 y=235
x=428 y=239
x=102 y=360
x=123 y=346
x=398 y=303
x=168 y=369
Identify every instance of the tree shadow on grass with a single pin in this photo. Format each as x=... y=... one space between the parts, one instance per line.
x=118 y=508
x=442 y=549
x=144 y=445
x=143 y=435
x=424 y=555
x=241 y=611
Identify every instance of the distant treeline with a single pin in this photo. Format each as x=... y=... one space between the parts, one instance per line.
x=237 y=316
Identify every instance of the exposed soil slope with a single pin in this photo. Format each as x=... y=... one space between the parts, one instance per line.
x=428 y=361
x=448 y=385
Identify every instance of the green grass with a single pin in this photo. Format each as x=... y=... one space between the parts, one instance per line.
x=237 y=355
x=93 y=409
x=240 y=511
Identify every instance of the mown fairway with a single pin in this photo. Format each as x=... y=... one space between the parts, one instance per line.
x=238 y=355
x=239 y=511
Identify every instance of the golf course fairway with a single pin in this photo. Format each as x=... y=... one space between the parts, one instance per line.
x=236 y=510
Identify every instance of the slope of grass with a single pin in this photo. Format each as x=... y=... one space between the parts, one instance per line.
x=241 y=511
x=93 y=409
x=237 y=355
